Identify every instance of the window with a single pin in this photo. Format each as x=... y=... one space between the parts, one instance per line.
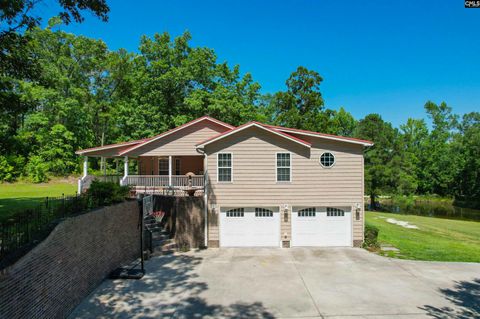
x=163 y=166
x=262 y=212
x=335 y=212
x=307 y=212
x=283 y=167
x=327 y=159
x=177 y=166
x=236 y=212
x=224 y=164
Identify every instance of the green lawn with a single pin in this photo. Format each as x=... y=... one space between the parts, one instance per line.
x=436 y=239
x=18 y=196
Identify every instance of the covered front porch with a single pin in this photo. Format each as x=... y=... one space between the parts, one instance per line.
x=180 y=175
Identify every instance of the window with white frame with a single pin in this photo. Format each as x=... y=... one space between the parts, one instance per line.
x=263 y=212
x=283 y=167
x=236 y=212
x=163 y=166
x=335 y=212
x=327 y=159
x=224 y=164
x=307 y=212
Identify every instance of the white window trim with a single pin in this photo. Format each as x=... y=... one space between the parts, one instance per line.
x=231 y=169
x=276 y=168
x=334 y=159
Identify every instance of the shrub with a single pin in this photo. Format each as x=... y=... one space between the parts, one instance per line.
x=36 y=169
x=371 y=236
x=107 y=193
x=6 y=170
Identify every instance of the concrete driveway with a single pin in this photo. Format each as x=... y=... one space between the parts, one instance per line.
x=289 y=283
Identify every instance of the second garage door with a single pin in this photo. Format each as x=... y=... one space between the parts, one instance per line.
x=321 y=227
x=249 y=227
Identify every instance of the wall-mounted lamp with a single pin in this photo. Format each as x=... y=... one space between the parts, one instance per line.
x=357 y=211
x=285 y=213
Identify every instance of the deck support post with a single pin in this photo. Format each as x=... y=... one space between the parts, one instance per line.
x=170 y=170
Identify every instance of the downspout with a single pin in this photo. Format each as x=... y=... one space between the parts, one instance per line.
x=205 y=195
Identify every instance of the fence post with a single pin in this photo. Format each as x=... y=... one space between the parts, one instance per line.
x=63 y=203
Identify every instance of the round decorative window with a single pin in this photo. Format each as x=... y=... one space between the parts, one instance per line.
x=327 y=159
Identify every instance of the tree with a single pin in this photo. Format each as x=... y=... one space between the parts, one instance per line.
x=439 y=162
x=341 y=123
x=302 y=104
x=18 y=61
x=377 y=157
x=173 y=83
x=467 y=143
x=413 y=140
x=18 y=15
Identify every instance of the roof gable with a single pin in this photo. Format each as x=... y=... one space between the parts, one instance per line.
x=250 y=125
x=176 y=130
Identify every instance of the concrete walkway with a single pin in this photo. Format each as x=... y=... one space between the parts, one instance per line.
x=289 y=283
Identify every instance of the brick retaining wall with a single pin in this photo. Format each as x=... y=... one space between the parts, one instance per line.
x=56 y=275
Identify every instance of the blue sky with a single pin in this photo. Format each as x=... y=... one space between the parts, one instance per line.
x=386 y=57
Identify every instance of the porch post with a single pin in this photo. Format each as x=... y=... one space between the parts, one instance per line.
x=85 y=173
x=85 y=166
x=205 y=197
x=125 y=170
x=170 y=170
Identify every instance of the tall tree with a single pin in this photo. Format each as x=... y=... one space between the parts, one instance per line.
x=377 y=157
x=438 y=161
x=467 y=143
x=302 y=104
x=19 y=63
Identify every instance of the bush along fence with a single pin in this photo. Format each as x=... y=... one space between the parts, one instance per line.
x=30 y=226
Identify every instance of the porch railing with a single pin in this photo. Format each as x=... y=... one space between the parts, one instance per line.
x=179 y=181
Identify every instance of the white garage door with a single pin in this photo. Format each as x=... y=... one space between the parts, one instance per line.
x=321 y=227
x=249 y=227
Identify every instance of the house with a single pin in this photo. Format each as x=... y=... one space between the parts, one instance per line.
x=263 y=185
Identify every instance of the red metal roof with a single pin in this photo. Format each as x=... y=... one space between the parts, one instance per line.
x=299 y=131
x=283 y=131
x=115 y=145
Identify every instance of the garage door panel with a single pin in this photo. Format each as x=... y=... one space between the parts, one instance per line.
x=321 y=230
x=250 y=230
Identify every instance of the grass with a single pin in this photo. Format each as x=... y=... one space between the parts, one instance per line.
x=436 y=239
x=15 y=197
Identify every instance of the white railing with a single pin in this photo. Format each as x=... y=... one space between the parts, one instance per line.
x=178 y=181
x=198 y=181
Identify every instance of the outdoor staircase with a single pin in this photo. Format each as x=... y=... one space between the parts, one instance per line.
x=162 y=244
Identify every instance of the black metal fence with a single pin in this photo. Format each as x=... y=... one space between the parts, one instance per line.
x=28 y=227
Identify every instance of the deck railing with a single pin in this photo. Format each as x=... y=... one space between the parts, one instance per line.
x=178 y=181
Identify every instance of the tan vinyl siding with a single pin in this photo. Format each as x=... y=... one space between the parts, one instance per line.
x=182 y=142
x=254 y=180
